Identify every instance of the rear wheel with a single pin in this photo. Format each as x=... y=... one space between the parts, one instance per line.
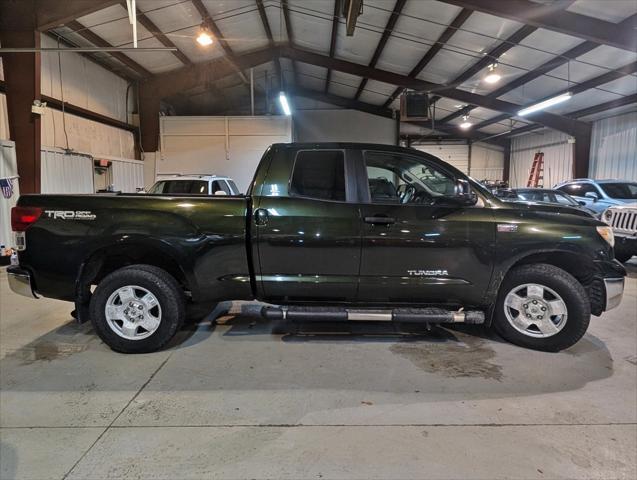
x=137 y=309
x=542 y=307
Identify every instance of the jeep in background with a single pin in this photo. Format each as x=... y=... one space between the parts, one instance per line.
x=598 y=195
x=195 y=184
x=326 y=232
x=623 y=219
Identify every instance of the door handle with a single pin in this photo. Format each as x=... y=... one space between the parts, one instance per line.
x=380 y=220
x=261 y=216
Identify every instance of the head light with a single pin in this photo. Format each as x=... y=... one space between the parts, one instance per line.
x=607 y=234
x=607 y=216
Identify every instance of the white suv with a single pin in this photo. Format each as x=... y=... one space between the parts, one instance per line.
x=195 y=184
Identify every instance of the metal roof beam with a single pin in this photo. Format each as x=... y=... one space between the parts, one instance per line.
x=551 y=120
x=51 y=14
x=553 y=18
x=332 y=43
x=435 y=48
x=98 y=41
x=268 y=32
x=391 y=23
x=210 y=23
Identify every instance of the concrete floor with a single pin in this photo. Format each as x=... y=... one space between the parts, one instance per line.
x=236 y=401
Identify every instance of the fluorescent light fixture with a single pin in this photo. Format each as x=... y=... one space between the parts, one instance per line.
x=283 y=100
x=545 y=104
x=466 y=124
x=493 y=76
x=205 y=37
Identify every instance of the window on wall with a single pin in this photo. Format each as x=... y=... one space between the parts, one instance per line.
x=319 y=174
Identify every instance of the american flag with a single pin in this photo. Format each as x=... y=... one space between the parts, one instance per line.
x=6 y=184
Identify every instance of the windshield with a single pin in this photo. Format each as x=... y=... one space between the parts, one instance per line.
x=620 y=190
x=180 y=186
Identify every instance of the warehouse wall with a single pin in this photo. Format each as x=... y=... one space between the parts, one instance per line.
x=229 y=146
x=558 y=157
x=481 y=161
x=340 y=125
x=614 y=147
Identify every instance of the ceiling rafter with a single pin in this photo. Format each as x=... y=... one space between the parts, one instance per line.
x=491 y=57
x=551 y=120
x=551 y=17
x=290 y=33
x=212 y=25
x=391 y=23
x=332 y=43
x=433 y=50
x=552 y=64
x=379 y=110
x=574 y=89
x=149 y=25
x=98 y=41
x=268 y=31
x=53 y=14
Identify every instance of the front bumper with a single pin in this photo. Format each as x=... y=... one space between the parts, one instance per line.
x=614 y=292
x=20 y=281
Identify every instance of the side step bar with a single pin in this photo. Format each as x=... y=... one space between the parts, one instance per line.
x=401 y=315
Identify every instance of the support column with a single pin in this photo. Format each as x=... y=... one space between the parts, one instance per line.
x=582 y=154
x=149 y=119
x=507 y=161
x=22 y=79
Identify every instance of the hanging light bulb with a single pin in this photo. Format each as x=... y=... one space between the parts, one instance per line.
x=204 y=38
x=466 y=124
x=492 y=75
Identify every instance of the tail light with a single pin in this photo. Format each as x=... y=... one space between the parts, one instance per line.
x=23 y=217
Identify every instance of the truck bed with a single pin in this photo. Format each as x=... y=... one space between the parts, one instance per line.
x=202 y=236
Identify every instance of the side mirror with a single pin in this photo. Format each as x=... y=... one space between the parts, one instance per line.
x=463 y=195
x=592 y=195
x=220 y=192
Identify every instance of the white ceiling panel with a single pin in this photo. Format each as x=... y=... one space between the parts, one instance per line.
x=311 y=76
x=495 y=128
x=344 y=84
x=622 y=86
x=611 y=113
x=225 y=8
x=446 y=106
x=360 y=47
x=277 y=23
x=243 y=31
x=413 y=35
x=483 y=113
x=610 y=10
x=311 y=22
x=609 y=57
x=535 y=90
x=376 y=93
x=549 y=41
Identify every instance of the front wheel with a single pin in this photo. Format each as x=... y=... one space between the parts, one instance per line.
x=137 y=309
x=542 y=307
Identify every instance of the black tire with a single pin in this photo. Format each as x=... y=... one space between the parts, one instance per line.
x=166 y=290
x=566 y=286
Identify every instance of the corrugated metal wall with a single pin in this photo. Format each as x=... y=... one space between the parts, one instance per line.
x=558 y=157
x=66 y=173
x=486 y=162
x=128 y=175
x=614 y=148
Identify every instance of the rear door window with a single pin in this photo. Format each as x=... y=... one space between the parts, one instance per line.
x=218 y=185
x=319 y=174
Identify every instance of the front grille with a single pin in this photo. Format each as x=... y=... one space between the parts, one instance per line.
x=624 y=221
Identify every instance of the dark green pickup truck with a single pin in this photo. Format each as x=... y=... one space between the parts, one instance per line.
x=327 y=232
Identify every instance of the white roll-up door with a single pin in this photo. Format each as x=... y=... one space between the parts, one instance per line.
x=456 y=154
x=128 y=175
x=66 y=172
